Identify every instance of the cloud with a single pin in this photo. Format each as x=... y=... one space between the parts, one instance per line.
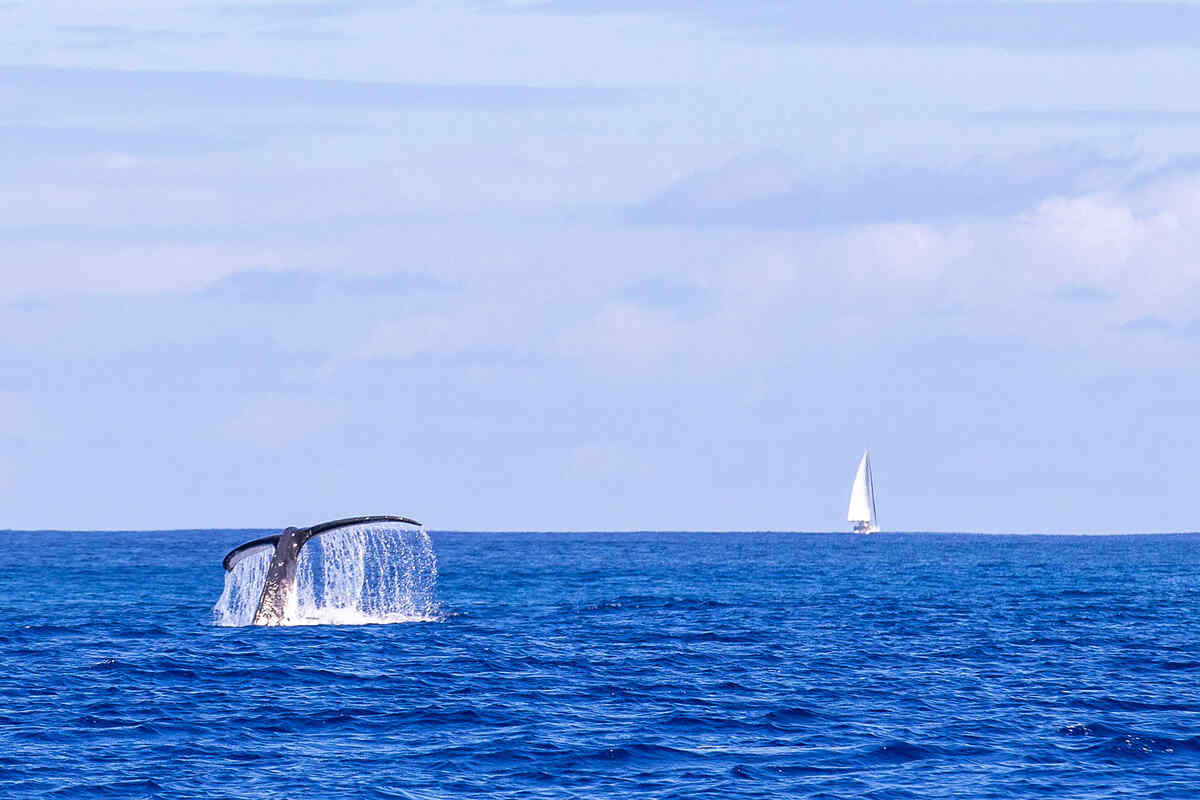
x=142 y=91
x=1012 y=25
x=771 y=191
x=274 y=420
x=293 y=22
x=1148 y=324
x=1098 y=229
x=408 y=336
x=104 y=37
x=1082 y=293
x=21 y=142
x=667 y=294
x=294 y=285
x=236 y=292
x=1092 y=116
x=285 y=11
x=285 y=314
x=1180 y=167
x=1069 y=247
x=907 y=253
x=305 y=35
x=709 y=358
x=326 y=230
x=628 y=334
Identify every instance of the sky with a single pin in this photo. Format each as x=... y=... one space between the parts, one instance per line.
x=583 y=265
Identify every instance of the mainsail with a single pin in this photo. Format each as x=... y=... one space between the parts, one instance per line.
x=862 y=499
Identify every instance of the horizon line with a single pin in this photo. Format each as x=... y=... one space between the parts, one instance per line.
x=549 y=531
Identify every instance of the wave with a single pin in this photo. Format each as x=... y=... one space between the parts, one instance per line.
x=653 y=602
x=1129 y=743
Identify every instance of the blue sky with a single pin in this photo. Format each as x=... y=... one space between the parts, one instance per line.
x=582 y=265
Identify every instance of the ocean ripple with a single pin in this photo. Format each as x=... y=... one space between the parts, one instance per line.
x=648 y=665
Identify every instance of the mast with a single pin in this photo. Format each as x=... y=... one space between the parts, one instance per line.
x=871 y=494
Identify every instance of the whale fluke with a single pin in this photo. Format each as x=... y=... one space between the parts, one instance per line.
x=249 y=548
x=280 y=584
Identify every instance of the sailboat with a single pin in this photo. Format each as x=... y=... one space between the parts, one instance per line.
x=862 y=499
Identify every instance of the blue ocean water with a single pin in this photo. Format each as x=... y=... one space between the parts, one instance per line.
x=653 y=665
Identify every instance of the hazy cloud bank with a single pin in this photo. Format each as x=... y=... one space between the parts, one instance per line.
x=427 y=257
x=141 y=91
x=773 y=191
x=1015 y=25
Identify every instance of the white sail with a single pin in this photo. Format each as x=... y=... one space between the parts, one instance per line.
x=862 y=498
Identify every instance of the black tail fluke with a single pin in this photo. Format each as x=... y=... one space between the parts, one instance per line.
x=249 y=548
x=242 y=550
x=281 y=574
x=326 y=527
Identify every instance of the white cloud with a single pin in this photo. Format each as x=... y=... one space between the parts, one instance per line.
x=414 y=335
x=626 y=332
x=902 y=253
x=763 y=271
x=277 y=420
x=1095 y=233
x=33 y=267
x=1139 y=246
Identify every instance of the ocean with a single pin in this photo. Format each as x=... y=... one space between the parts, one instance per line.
x=614 y=665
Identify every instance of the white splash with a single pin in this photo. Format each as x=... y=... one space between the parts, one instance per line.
x=243 y=586
x=364 y=575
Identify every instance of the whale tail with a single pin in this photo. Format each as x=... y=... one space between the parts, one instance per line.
x=280 y=585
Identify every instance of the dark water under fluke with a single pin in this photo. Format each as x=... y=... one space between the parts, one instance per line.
x=616 y=665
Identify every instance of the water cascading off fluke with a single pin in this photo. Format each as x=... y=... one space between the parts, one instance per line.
x=355 y=571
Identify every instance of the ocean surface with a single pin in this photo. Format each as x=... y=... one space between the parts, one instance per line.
x=655 y=665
